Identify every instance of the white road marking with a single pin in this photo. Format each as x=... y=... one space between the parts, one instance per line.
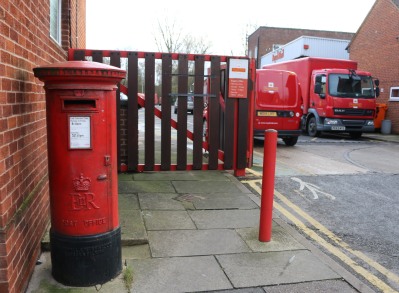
x=314 y=189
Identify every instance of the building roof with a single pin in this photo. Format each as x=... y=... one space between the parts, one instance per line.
x=261 y=28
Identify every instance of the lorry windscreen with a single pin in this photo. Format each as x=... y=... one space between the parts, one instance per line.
x=346 y=85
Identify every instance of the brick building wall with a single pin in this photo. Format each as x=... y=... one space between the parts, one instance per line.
x=24 y=196
x=262 y=40
x=78 y=24
x=375 y=47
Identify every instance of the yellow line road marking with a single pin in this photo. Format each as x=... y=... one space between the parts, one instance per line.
x=370 y=277
x=333 y=237
x=338 y=240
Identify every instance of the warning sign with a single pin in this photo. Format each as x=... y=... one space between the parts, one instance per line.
x=238 y=78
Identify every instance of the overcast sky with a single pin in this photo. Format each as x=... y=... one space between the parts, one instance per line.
x=133 y=25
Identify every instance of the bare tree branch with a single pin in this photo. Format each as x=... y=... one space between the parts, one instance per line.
x=172 y=40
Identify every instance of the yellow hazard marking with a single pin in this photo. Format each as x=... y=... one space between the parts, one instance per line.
x=334 y=250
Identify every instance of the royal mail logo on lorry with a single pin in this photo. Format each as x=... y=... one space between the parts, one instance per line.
x=278 y=55
x=270 y=88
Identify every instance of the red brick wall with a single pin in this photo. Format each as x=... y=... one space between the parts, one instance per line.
x=267 y=36
x=24 y=195
x=376 y=47
x=78 y=25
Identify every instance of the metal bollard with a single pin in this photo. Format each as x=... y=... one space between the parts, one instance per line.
x=269 y=168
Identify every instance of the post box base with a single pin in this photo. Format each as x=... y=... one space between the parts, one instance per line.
x=83 y=261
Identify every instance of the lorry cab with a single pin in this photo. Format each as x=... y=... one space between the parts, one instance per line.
x=346 y=97
x=278 y=104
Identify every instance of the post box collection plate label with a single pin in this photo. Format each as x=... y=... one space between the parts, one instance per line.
x=79 y=132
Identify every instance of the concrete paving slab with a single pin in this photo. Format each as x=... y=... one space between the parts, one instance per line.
x=205 y=187
x=280 y=240
x=159 y=201
x=217 y=201
x=282 y=169
x=238 y=183
x=195 y=242
x=262 y=269
x=143 y=186
x=179 y=274
x=135 y=252
x=217 y=219
x=328 y=286
x=125 y=177
x=43 y=282
x=246 y=290
x=181 y=176
x=132 y=227
x=167 y=220
x=128 y=201
x=205 y=259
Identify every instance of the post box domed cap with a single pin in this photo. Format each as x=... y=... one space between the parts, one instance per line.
x=78 y=68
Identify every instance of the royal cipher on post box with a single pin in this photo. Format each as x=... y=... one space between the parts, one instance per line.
x=85 y=236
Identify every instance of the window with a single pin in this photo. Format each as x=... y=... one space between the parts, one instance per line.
x=55 y=20
x=394 y=94
x=348 y=86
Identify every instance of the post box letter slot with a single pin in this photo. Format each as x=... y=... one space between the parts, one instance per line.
x=80 y=104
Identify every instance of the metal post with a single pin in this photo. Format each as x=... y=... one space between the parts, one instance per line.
x=269 y=167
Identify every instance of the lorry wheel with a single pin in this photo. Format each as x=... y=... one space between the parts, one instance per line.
x=312 y=127
x=355 y=135
x=290 y=141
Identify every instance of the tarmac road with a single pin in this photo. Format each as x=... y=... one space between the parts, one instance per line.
x=347 y=193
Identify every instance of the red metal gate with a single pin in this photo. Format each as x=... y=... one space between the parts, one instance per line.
x=229 y=117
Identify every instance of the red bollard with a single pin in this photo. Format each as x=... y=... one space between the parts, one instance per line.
x=269 y=168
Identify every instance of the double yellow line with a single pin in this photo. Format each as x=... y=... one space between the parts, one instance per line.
x=338 y=252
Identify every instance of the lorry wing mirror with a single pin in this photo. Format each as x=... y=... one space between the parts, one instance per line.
x=320 y=79
x=319 y=90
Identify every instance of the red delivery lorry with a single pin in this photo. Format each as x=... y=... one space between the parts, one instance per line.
x=336 y=96
x=278 y=104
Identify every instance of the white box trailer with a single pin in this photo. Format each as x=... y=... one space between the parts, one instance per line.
x=306 y=46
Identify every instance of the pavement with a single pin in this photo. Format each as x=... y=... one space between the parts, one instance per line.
x=382 y=137
x=198 y=231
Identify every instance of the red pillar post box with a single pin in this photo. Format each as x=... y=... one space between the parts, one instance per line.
x=85 y=236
